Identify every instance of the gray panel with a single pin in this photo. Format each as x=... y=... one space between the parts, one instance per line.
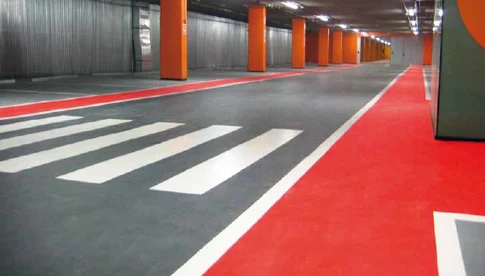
x=155 y=35
x=461 y=96
x=472 y=243
x=278 y=46
x=62 y=37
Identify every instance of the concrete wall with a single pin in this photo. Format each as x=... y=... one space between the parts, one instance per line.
x=461 y=98
x=63 y=37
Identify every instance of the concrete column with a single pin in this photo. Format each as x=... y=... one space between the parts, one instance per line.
x=298 y=43
x=257 y=39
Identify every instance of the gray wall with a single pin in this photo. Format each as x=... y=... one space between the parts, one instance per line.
x=461 y=98
x=217 y=43
x=62 y=37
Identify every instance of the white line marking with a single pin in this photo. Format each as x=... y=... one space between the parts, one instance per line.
x=427 y=92
x=27 y=139
x=42 y=92
x=34 y=123
x=110 y=169
x=207 y=175
x=44 y=157
x=450 y=259
x=212 y=251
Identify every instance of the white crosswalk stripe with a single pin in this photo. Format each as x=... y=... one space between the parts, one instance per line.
x=110 y=169
x=45 y=157
x=197 y=180
x=209 y=174
x=37 y=122
x=18 y=141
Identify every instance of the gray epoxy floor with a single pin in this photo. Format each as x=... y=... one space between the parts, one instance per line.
x=51 y=226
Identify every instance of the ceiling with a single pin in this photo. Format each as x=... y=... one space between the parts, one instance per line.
x=382 y=16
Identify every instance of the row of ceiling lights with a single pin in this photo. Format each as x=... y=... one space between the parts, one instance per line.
x=413 y=12
x=326 y=18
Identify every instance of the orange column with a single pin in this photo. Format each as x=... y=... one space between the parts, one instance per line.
x=298 y=43
x=173 y=38
x=330 y=48
x=323 y=46
x=257 y=39
x=350 y=47
x=428 y=50
x=337 y=47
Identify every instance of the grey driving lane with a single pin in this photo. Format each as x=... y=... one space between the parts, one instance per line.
x=51 y=226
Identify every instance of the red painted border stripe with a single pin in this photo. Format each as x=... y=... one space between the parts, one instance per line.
x=366 y=207
x=59 y=105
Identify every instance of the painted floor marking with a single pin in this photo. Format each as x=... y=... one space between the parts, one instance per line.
x=110 y=169
x=450 y=259
x=43 y=92
x=31 y=109
x=33 y=160
x=214 y=249
x=207 y=175
x=27 y=139
x=37 y=122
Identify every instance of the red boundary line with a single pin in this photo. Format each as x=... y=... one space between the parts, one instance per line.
x=82 y=102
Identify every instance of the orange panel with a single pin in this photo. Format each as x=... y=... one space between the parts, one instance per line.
x=257 y=39
x=350 y=47
x=173 y=37
x=298 y=43
x=330 y=48
x=323 y=46
x=311 y=47
x=428 y=50
x=337 y=47
x=472 y=15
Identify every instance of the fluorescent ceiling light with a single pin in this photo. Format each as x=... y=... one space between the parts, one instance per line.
x=365 y=34
x=323 y=17
x=414 y=22
x=437 y=23
x=373 y=36
x=411 y=12
x=440 y=12
x=291 y=5
x=435 y=29
x=355 y=30
x=343 y=26
x=415 y=29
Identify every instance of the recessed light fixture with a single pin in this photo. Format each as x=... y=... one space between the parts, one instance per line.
x=411 y=12
x=373 y=36
x=440 y=12
x=437 y=23
x=343 y=26
x=365 y=34
x=435 y=29
x=355 y=30
x=291 y=5
x=415 y=29
x=323 y=17
x=414 y=22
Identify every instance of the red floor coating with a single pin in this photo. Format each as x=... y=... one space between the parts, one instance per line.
x=366 y=208
x=51 y=106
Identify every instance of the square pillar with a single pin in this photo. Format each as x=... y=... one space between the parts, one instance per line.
x=350 y=47
x=337 y=37
x=173 y=39
x=257 y=39
x=323 y=46
x=298 y=43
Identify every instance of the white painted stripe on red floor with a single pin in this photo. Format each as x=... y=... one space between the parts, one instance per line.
x=27 y=139
x=35 y=123
x=215 y=248
x=207 y=175
x=110 y=169
x=450 y=259
x=45 y=157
